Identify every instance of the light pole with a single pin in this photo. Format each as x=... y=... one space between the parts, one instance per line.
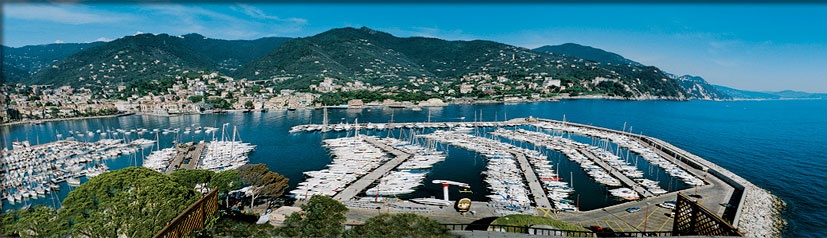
x=646 y=218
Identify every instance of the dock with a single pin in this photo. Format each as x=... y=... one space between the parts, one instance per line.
x=187 y=158
x=534 y=185
x=408 y=125
x=617 y=174
x=362 y=183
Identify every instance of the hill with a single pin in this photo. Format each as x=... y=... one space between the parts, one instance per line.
x=588 y=53
x=149 y=56
x=379 y=59
x=697 y=87
x=693 y=86
x=348 y=59
x=19 y=63
x=786 y=94
x=744 y=94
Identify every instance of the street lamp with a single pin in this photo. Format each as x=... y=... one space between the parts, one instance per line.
x=646 y=218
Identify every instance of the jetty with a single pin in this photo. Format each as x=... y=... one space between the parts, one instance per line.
x=188 y=157
x=534 y=185
x=616 y=173
x=362 y=183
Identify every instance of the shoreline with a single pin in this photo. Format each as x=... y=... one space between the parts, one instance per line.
x=64 y=119
x=455 y=102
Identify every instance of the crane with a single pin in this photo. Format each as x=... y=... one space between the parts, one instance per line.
x=446 y=183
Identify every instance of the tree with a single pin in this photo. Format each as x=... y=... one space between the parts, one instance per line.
x=131 y=202
x=7 y=221
x=226 y=181
x=191 y=177
x=321 y=216
x=248 y=104
x=262 y=181
x=399 y=225
x=40 y=222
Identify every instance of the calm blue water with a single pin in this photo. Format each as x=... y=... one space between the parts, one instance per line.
x=778 y=145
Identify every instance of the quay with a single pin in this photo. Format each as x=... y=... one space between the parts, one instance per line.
x=362 y=183
x=534 y=185
x=188 y=157
x=615 y=173
x=408 y=125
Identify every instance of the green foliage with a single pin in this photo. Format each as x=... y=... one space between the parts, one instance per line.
x=399 y=225
x=529 y=220
x=226 y=181
x=248 y=104
x=236 y=224
x=7 y=221
x=322 y=217
x=191 y=177
x=196 y=98
x=132 y=202
x=587 y=53
x=219 y=103
x=40 y=222
x=263 y=182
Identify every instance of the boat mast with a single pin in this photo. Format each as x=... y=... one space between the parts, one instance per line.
x=429 y=115
x=324 y=120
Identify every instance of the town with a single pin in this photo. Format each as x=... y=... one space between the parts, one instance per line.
x=210 y=92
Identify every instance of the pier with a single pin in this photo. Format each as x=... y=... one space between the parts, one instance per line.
x=615 y=173
x=399 y=125
x=187 y=157
x=534 y=185
x=362 y=183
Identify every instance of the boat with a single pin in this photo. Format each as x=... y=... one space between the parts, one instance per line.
x=431 y=201
x=73 y=181
x=463 y=205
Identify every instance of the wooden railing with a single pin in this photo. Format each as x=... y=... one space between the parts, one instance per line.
x=191 y=219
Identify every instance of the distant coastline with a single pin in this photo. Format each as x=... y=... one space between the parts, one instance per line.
x=64 y=119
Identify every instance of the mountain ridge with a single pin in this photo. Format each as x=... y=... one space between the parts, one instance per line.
x=377 y=59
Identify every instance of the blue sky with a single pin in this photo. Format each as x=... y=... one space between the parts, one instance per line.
x=754 y=47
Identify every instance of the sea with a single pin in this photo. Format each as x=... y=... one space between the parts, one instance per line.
x=778 y=145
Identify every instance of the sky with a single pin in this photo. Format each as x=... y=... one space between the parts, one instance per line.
x=763 y=47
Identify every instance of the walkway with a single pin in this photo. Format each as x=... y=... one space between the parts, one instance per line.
x=365 y=181
x=534 y=185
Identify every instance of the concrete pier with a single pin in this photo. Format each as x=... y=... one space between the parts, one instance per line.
x=540 y=198
x=615 y=173
x=191 y=152
x=362 y=183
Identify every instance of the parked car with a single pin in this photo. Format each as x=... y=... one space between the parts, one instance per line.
x=667 y=205
x=632 y=209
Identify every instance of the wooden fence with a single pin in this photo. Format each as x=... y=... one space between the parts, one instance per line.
x=191 y=219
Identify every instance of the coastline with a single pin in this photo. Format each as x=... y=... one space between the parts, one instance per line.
x=65 y=119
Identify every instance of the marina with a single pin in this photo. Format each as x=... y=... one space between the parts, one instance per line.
x=521 y=179
x=215 y=155
x=301 y=156
x=34 y=171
